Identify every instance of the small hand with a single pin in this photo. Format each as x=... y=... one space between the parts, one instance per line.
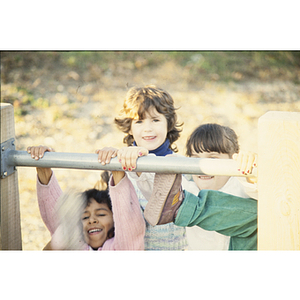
x=38 y=152
x=106 y=154
x=246 y=161
x=128 y=156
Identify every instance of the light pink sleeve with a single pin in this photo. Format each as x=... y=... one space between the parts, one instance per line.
x=47 y=198
x=128 y=219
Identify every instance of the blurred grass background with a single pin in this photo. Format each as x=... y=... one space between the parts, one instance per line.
x=265 y=65
x=198 y=66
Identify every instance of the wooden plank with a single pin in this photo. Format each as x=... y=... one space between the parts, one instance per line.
x=10 y=226
x=279 y=181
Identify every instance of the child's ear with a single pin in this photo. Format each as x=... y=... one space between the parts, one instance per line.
x=130 y=132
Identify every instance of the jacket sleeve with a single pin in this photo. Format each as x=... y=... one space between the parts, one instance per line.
x=217 y=211
x=47 y=198
x=128 y=220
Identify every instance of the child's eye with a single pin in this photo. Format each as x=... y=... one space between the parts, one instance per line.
x=101 y=215
x=138 y=122
x=156 y=120
x=85 y=218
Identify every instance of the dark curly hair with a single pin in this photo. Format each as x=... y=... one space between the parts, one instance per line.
x=138 y=101
x=213 y=137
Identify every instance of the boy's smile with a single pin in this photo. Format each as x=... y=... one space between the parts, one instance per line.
x=205 y=177
x=208 y=182
x=97 y=221
x=150 y=132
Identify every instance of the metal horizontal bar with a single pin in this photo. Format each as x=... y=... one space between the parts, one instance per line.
x=150 y=163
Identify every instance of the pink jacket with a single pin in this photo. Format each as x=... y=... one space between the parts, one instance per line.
x=128 y=220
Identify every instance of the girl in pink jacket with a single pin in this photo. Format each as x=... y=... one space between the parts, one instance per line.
x=95 y=220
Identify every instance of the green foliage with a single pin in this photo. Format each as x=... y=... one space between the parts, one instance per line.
x=227 y=65
x=223 y=63
x=18 y=67
x=23 y=100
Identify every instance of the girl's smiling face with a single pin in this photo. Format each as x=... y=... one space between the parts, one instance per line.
x=97 y=221
x=150 y=132
x=208 y=182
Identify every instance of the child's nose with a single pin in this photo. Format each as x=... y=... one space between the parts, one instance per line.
x=148 y=126
x=92 y=220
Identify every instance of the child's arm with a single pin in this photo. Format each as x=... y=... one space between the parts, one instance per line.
x=117 y=176
x=48 y=189
x=227 y=214
x=128 y=220
x=47 y=196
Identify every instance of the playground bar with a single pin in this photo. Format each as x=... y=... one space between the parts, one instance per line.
x=151 y=163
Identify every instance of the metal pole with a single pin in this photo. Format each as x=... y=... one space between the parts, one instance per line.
x=150 y=163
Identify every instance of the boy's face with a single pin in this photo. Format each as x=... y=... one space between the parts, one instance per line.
x=207 y=182
x=150 y=132
x=97 y=221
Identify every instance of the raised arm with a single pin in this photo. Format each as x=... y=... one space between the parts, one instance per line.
x=48 y=189
x=128 y=219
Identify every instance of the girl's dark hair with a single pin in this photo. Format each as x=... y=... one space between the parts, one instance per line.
x=213 y=138
x=138 y=101
x=100 y=195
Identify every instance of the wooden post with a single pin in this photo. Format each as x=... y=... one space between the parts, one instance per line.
x=279 y=181
x=10 y=222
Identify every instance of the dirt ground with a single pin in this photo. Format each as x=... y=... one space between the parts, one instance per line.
x=76 y=112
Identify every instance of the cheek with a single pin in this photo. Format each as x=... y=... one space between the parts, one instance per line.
x=163 y=130
x=195 y=177
x=85 y=234
x=109 y=222
x=83 y=224
x=111 y=225
x=166 y=132
x=167 y=127
x=197 y=181
x=133 y=131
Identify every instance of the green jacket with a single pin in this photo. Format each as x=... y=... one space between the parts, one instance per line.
x=216 y=211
